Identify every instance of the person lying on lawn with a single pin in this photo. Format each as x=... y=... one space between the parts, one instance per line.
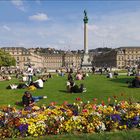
x=29 y=100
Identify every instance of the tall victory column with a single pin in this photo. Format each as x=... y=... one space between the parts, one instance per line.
x=85 y=33
x=86 y=64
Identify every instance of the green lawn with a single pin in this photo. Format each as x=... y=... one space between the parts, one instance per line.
x=98 y=86
x=120 y=135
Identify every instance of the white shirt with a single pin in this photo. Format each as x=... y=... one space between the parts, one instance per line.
x=24 y=78
x=30 y=71
x=40 y=82
x=68 y=83
x=110 y=75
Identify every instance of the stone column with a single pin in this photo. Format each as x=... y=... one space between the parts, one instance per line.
x=85 y=32
x=85 y=38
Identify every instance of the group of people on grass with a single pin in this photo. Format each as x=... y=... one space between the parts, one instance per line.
x=27 y=81
x=71 y=86
x=135 y=83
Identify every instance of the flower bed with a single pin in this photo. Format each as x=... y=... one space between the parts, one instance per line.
x=78 y=117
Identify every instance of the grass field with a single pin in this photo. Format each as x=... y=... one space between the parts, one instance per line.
x=98 y=86
x=120 y=135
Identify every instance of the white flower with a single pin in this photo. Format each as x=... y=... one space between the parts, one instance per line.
x=62 y=118
x=103 y=128
x=78 y=107
x=88 y=102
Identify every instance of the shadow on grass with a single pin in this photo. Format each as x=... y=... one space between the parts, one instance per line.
x=64 y=91
x=122 y=80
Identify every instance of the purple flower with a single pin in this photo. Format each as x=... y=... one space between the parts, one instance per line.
x=115 y=117
x=63 y=110
x=136 y=118
x=23 y=128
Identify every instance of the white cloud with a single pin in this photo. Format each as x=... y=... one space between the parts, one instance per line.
x=6 y=27
x=39 y=17
x=61 y=42
x=114 y=30
x=92 y=27
x=18 y=4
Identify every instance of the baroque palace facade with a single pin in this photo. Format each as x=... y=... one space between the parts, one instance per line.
x=24 y=57
x=119 y=58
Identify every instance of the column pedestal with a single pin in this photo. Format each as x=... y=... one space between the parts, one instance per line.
x=86 y=63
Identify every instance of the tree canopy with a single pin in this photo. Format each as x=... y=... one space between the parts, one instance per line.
x=6 y=59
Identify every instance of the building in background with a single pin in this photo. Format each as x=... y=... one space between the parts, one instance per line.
x=24 y=57
x=32 y=56
x=122 y=57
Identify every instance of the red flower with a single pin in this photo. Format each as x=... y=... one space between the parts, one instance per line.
x=65 y=103
x=78 y=99
x=103 y=103
x=115 y=97
x=84 y=110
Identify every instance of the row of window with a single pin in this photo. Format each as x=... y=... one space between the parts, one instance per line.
x=129 y=57
x=132 y=52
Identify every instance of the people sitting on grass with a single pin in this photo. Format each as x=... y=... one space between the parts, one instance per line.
x=79 y=76
x=68 y=86
x=8 y=78
x=109 y=75
x=78 y=89
x=12 y=86
x=24 y=78
x=33 y=85
x=49 y=75
x=17 y=86
x=2 y=78
x=74 y=88
x=29 y=100
x=135 y=82
x=38 y=83
x=70 y=76
x=116 y=74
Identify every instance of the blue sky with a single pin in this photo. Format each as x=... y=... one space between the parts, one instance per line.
x=59 y=24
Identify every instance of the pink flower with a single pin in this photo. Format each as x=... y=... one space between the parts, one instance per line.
x=53 y=103
x=109 y=99
x=95 y=99
x=123 y=102
x=94 y=107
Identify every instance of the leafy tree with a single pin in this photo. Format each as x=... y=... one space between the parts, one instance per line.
x=6 y=59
